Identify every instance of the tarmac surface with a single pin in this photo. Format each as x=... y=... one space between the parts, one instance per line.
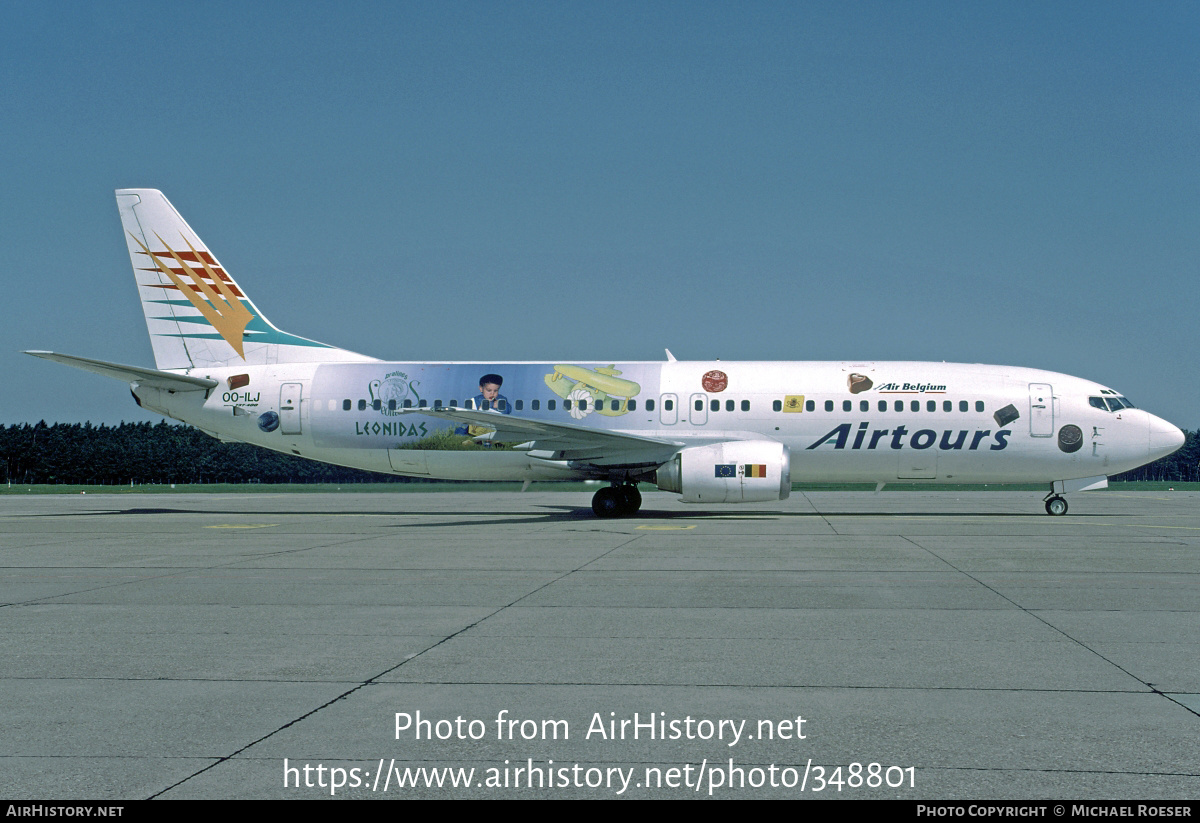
x=969 y=645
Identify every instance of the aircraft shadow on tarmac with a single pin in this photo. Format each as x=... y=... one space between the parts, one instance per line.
x=551 y=514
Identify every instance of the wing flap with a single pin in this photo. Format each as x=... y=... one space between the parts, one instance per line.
x=568 y=441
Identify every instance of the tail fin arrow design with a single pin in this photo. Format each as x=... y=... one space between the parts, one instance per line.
x=224 y=311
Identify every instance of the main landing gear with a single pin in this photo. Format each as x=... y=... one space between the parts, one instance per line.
x=1055 y=505
x=622 y=500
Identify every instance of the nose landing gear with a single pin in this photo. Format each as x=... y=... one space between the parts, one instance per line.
x=1055 y=505
x=622 y=500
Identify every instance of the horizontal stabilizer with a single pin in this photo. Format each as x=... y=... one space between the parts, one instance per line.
x=131 y=374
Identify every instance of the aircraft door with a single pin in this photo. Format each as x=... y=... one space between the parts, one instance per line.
x=408 y=461
x=289 y=408
x=1041 y=409
x=698 y=413
x=668 y=409
x=917 y=464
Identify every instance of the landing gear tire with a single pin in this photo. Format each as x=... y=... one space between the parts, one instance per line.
x=606 y=503
x=1056 y=506
x=631 y=498
x=617 y=501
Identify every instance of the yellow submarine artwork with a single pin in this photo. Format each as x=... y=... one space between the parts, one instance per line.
x=599 y=390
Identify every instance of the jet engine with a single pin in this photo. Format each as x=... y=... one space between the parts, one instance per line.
x=740 y=471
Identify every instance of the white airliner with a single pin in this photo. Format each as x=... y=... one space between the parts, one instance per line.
x=713 y=432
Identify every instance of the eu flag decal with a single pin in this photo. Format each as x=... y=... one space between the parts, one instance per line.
x=726 y=469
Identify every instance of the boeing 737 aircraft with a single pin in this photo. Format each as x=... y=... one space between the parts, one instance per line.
x=713 y=432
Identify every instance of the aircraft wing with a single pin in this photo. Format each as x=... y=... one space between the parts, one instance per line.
x=131 y=374
x=572 y=442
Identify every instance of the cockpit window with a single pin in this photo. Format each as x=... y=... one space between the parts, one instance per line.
x=1110 y=403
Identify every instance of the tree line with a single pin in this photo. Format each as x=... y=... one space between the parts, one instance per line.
x=148 y=453
x=80 y=453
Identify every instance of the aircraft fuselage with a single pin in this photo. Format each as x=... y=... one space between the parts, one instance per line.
x=841 y=421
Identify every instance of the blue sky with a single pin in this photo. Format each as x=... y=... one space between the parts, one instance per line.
x=1006 y=182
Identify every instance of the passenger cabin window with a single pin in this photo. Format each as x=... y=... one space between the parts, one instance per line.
x=931 y=405
x=362 y=405
x=915 y=405
x=864 y=405
x=947 y=406
x=346 y=405
x=699 y=405
x=962 y=405
x=847 y=405
x=668 y=405
x=550 y=405
x=715 y=405
x=777 y=405
x=899 y=405
x=809 y=405
x=828 y=405
x=391 y=405
x=422 y=404
x=979 y=405
x=745 y=405
x=649 y=405
x=535 y=405
x=883 y=405
x=519 y=404
x=728 y=405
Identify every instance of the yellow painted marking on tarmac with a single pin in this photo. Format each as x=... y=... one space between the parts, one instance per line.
x=1136 y=526
x=242 y=526
x=1171 y=496
x=665 y=528
x=1148 y=526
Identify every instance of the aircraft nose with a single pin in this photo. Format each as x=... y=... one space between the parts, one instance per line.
x=1164 y=438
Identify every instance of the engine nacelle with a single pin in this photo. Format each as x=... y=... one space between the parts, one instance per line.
x=741 y=471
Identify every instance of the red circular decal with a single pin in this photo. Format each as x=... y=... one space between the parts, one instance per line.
x=714 y=381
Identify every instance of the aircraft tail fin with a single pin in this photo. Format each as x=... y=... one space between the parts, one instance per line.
x=196 y=313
